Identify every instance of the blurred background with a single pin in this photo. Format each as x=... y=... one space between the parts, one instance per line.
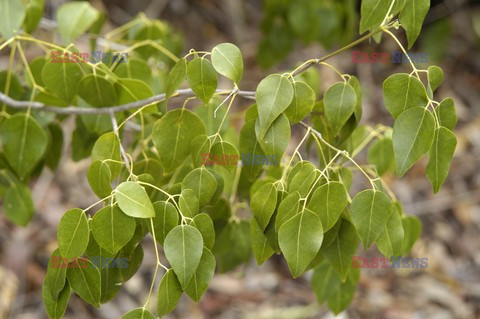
x=277 y=35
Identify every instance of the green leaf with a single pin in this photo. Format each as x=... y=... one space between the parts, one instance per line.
x=325 y=281
x=188 y=203
x=200 y=145
x=56 y=274
x=300 y=239
x=166 y=218
x=12 y=14
x=353 y=81
x=412 y=227
x=302 y=103
x=435 y=78
x=99 y=178
x=372 y=13
x=34 y=13
x=96 y=91
x=133 y=258
x=202 y=78
x=401 y=92
x=131 y=90
x=85 y=281
x=204 y=224
x=411 y=18
x=227 y=60
x=263 y=204
x=250 y=145
x=390 y=241
x=75 y=18
x=24 y=143
x=202 y=182
x=176 y=77
x=447 y=116
x=18 y=204
x=381 y=155
x=303 y=180
x=169 y=293
x=343 y=295
x=225 y=154
x=133 y=200
x=371 y=209
x=340 y=100
x=55 y=146
x=276 y=138
x=202 y=276
x=73 y=232
x=100 y=257
x=138 y=313
x=173 y=135
x=183 y=249
x=261 y=247
x=340 y=252
x=274 y=94
x=62 y=79
x=288 y=208
x=112 y=229
x=107 y=148
x=232 y=247
x=328 y=202
x=56 y=307
x=440 y=157
x=413 y=133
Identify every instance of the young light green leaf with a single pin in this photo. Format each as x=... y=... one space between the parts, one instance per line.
x=325 y=281
x=300 y=239
x=411 y=18
x=413 y=134
x=138 y=313
x=56 y=307
x=261 y=247
x=340 y=252
x=75 y=18
x=276 y=139
x=227 y=60
x=381 y=155
x=372 y=13
x=62 y=79
x=200 y=146
x=183 y=248
x=303 y=180
x=371 y=209
x=169 y=293
x=288 y=208
x=56 y=274
x=12 y=14
x=96 y=91
x=263 y=204
x=176 y=77
x=112 y=229
x=390 y=241
x=202 y=277
x=99 y=178
x=328 y=202
x=33 y=15
x=73 y=233
x=340 y=100
x=440 y=156
x=85 y=281
x=133 y=200
x=173 y=134
x=166 y=219
x=302 y=103
x=204 y=224
x=412 y=227
x=274 y=94
x=107 y=148
x=202 y=78
x=401 y=92
x=188 y=203
x=250 y=145
x=435 y=78
x=24 y=143
x=225 y=154
x=18 y=204
x=447 y=116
